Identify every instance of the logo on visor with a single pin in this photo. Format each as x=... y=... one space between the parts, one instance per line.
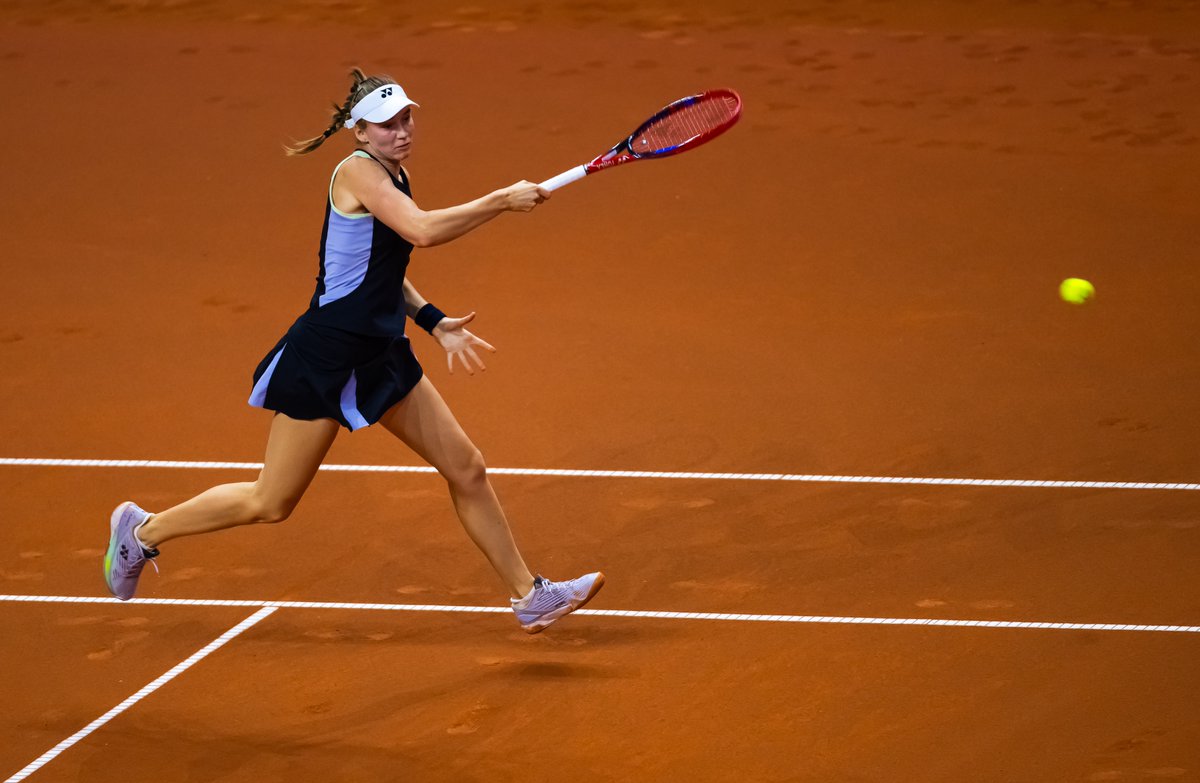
x=387 y=92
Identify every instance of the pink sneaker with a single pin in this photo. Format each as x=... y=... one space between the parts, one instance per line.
x=126 y=557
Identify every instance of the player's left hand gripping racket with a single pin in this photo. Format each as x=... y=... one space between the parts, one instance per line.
x=683 y=125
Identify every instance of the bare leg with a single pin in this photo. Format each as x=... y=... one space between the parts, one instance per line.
x=295 y=450
x=424 y=422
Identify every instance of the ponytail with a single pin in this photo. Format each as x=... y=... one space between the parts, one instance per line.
x=361 y=86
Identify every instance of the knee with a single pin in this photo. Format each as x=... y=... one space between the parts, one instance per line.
x=271 y=510
x=468 y=470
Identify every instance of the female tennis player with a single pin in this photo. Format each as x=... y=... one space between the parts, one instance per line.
x=346 y=362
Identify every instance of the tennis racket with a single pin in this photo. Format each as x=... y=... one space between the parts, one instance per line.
x=683 y=125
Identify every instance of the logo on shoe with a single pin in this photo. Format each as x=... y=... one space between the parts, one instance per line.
x=124 y=552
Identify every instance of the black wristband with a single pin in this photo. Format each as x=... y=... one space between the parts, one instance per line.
x=429 y=317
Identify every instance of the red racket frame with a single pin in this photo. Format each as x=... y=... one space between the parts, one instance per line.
x=624 y=152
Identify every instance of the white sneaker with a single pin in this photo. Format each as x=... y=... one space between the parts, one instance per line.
x=548 y=601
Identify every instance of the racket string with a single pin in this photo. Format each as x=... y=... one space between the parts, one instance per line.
x=685 y=124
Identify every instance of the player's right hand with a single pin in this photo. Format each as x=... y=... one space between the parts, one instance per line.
x=523 y=196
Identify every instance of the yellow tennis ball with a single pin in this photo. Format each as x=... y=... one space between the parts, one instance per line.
x=1076 y=291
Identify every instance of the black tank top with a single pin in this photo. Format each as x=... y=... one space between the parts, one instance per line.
x=360 y=284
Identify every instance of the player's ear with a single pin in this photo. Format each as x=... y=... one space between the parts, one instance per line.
x=360 y=133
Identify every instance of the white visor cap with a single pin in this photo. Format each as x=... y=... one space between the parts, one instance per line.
x=380 y=105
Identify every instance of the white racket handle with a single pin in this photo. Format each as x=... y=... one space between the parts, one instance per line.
x=566 y=178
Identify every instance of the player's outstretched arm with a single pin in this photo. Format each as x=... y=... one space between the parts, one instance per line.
x=370 y=186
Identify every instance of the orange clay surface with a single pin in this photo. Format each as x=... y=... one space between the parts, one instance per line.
x=860 y=279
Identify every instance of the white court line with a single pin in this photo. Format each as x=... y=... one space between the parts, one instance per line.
x=640 y=474
x=712 y=616
x=143 y=693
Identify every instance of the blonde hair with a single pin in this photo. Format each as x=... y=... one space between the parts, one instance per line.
x=362 y=86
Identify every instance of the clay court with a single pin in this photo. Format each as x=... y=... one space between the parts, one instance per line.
x=874 y=504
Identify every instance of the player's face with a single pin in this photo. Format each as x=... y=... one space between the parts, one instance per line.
x=391 y=139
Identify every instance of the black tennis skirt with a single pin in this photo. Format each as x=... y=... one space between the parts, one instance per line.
x=318 y=372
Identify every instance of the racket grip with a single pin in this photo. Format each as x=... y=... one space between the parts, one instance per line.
x=566 y=178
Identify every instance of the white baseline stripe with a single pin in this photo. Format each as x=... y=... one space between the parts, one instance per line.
x=639 y=474
x=143 y=693
x=712 y=616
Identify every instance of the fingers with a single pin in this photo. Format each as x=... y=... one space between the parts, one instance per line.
x=525 y=195
x=475 y=339
x=462 y=346
x=462 y=359
x=468 y=318
x=468 y=359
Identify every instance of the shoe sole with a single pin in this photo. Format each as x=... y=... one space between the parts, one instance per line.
x=113 y=522
x=544 y=624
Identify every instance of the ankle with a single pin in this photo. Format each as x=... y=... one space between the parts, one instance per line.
x=145 y=534
x=521 y=590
